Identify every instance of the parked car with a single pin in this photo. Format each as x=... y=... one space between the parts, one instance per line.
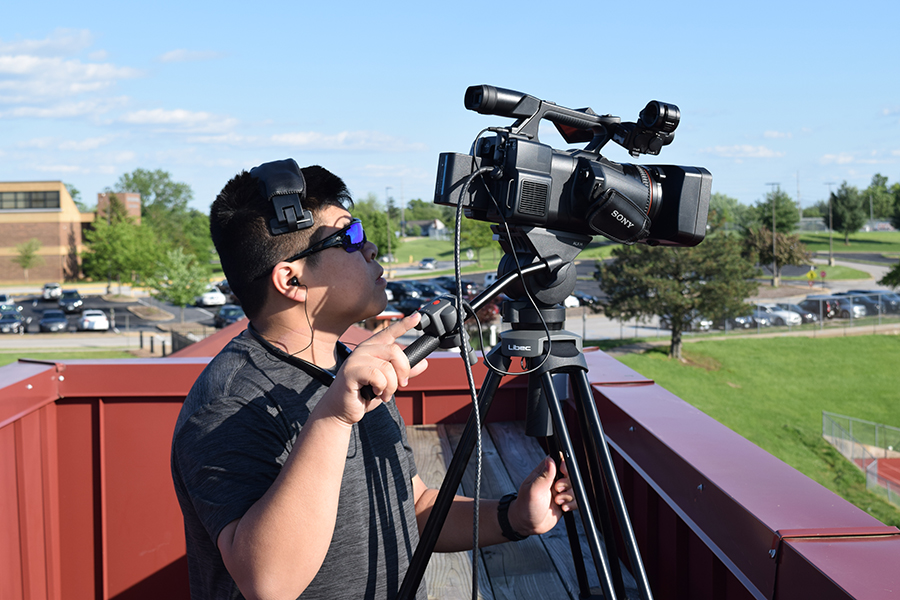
x=890 y=300
x=428 y=263
x=11 y=321
x=93 y=320
x=469 y=288
x=429 y=289
x=873 y=307
x=211 y=297
x=571 y=302
x=51 y=291
x=806 y=316
x=10 y=305
x=70 y=301
x=228 y=314
x=592 y=302
x=847 y=306
x=823 y=306
x=780 y=316
x=739 y=322
x=406 y=297
x=693 y=323
x=53 y=321
x=762 y=318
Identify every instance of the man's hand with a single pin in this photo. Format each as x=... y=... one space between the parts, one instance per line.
x=542 y=499
x=378 y=362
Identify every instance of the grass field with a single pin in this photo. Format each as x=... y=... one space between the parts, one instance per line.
x=881 y=242
x=773 y=391
x=11 y=357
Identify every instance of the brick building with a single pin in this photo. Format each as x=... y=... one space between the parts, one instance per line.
x=45 y=211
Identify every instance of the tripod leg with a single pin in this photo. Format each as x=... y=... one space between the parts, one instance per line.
x=584 y=586
x=598 y=552
x=584 y=396
x=452 y=479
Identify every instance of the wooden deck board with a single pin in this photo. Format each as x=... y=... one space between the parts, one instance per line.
x=539 y=567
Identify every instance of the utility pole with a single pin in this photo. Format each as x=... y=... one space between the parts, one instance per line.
x=387 y=218
x=776 y=187
x=830 y=227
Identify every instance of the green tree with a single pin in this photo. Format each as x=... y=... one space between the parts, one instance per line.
x=476 y=235
x=729 y=212
x=710 y=279
x=892 y=278
x=27 y=255
x=879 y=198
x=76 y=197
x=789 y=250
x=848 y=211
x=787 y=214
x=164 y=209
x=180 y=278
x=895 y=217
x=375 y=221
x=118 y=249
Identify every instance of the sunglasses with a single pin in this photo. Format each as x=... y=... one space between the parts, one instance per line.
x=351 y=238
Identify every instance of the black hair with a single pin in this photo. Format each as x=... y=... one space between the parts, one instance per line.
x=239 y=225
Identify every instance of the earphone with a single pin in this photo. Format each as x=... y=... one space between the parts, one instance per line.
x=294 y=281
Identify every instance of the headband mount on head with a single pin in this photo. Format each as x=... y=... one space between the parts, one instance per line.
x=282 y=183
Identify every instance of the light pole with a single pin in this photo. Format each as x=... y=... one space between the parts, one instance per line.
x=776 y=186
x=830 y=227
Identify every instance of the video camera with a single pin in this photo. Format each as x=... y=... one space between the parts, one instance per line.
x=511 y=177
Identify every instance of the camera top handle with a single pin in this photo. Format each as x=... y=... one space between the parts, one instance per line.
x=575 y=126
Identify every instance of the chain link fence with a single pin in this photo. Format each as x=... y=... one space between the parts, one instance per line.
x=866 y=444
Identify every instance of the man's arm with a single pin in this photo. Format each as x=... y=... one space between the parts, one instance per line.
x=541 y=502
x=276 y=548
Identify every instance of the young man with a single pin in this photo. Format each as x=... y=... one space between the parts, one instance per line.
x=291 y=483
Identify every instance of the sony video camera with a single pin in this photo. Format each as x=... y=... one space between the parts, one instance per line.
x=511 y=177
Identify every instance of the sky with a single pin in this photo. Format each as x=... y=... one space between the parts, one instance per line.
x=798 y=95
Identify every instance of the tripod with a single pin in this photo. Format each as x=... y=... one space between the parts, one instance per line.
x=548 y=358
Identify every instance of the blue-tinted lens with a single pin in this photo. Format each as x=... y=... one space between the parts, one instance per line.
x=354 y=238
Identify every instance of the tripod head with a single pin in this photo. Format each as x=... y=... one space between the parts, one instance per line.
x=524 y=246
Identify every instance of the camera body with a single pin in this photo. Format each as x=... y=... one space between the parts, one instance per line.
x=512 y=177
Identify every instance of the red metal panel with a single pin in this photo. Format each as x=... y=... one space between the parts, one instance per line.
x=30 y=501
x=25 y=388
x=79 y=501
x=10 y=532
x=728 y=492
x=843 y=567
x=50 y=486
x=144 y=531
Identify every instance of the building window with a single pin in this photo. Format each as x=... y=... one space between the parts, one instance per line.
x=28 y=200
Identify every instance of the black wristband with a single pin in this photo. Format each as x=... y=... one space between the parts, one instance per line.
x=503 y=517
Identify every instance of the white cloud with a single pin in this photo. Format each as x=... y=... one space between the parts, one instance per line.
x=777 y=135
x=182 y=55
x=345 y=140
x=61 y=41
x=838 y=159
x=64 y=110
x=743 y=151
x=84 y=145
x=180 y=119
x=58 y=168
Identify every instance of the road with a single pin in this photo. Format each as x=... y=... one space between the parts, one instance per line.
x=578 y=320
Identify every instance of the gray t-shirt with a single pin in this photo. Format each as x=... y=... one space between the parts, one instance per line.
x=235 y=431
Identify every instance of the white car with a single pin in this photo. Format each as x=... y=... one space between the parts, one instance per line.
x=571 y=302
x=93 y=320
x=780 y=316
x=211 y=297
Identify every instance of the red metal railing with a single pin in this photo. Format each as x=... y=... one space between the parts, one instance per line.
x=87 y=508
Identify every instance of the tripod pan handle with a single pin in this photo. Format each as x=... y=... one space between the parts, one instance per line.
x=415 y=352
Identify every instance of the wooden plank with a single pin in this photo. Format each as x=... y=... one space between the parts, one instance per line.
x=520 y=570
x=520 y=454
x=449 y=574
